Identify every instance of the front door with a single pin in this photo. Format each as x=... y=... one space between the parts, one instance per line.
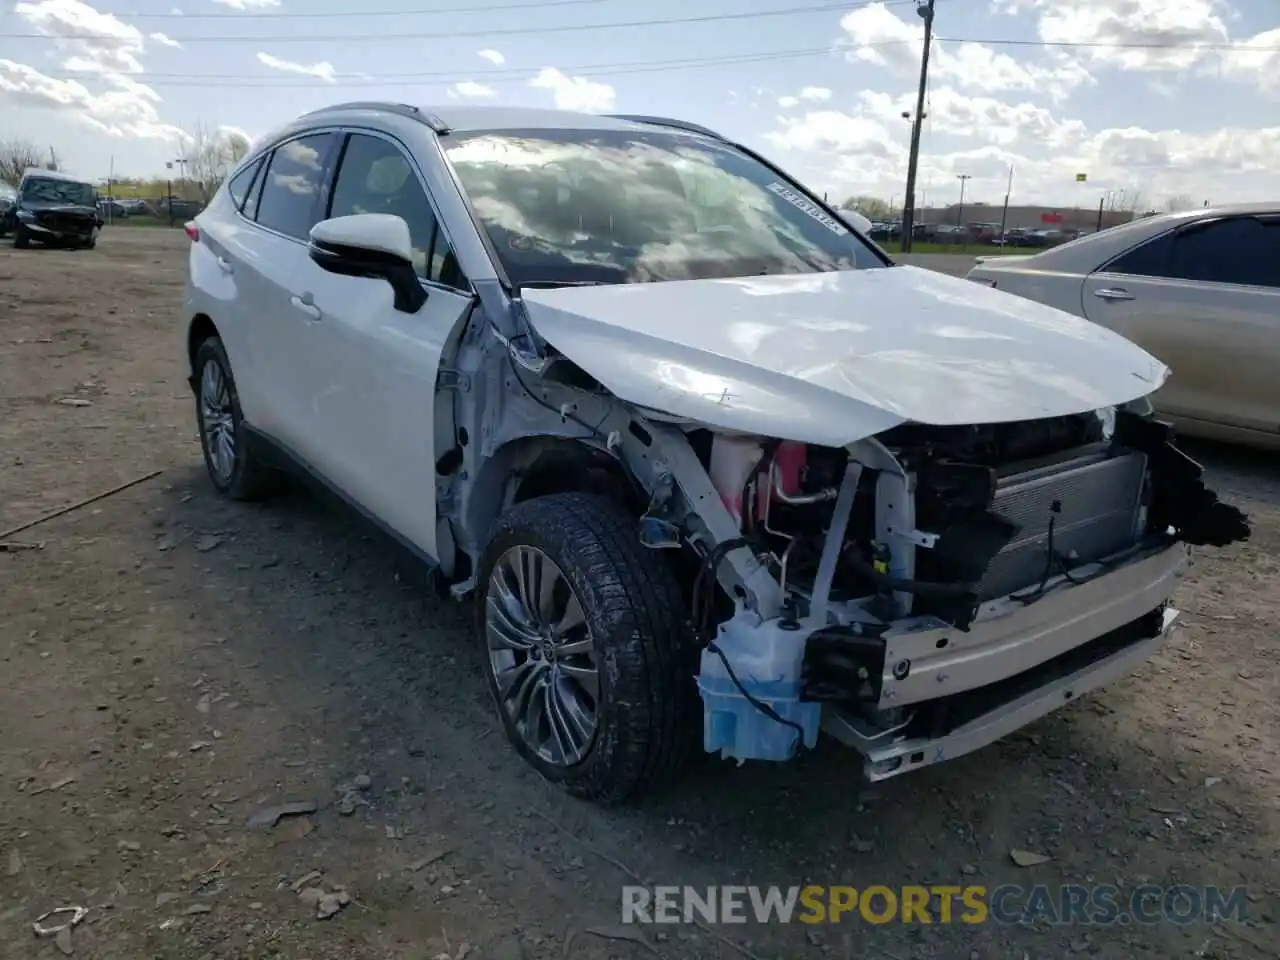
x=372 y=390
x=1204 y=300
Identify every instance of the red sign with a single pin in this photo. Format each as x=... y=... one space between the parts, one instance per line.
x=1051 y=217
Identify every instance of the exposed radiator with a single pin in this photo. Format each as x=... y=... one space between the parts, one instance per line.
x=1098 y=498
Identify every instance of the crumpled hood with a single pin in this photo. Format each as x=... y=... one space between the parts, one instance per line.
x=831 y=358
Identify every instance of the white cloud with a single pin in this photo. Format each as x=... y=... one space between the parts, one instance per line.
x=1173 y=23
x=575 y=93
x=164 y=41
x=862 y=152
x=322 y=71
x=127 y=111
x=875 y=35
x=96 y=42
x=493 y=56
x=1258 y=66
x=788 y=102
x=249 y=4
x=953 y=112
x=817 y=94
x=471 y=89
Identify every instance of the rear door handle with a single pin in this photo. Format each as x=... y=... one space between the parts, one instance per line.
x=306 y=305
x=224 y=264
x=1113 y=293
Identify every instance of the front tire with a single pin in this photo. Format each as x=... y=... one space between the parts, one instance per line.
x=20 y=239
x=234 y=470
x=589 y=653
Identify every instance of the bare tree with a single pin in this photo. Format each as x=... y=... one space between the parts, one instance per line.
x=872 y=208
x=1179 y=202
x=210 y=155
x=17 y=154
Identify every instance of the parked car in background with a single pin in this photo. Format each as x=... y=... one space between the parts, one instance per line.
x=112 y=209
x=8 y=198
x=55 y=209
x=1198 y=289
x=696 y=451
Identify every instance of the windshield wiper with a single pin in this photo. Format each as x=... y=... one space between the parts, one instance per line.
x=552 y=284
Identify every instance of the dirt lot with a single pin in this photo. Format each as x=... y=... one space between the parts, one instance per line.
x=171 y=663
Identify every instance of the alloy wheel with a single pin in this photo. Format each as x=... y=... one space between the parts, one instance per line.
x=218 y=420
x=542 y=655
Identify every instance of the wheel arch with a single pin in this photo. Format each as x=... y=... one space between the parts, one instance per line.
x=536 y=466
x=200 y=329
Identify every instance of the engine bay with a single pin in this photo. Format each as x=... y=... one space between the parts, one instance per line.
x=925 y=530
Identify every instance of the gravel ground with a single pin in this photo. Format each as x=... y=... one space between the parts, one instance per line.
x=173 y=663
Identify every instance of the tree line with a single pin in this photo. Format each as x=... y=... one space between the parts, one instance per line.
x=208 y=155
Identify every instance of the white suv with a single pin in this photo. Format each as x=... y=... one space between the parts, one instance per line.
x=707 y=460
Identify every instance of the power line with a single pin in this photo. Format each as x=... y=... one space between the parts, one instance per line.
x=335 y=14
x=508 y=74
x=1109 y=45
x=462 y=34
x=512 y=74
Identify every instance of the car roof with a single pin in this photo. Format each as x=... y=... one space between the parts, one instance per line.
x=1094 y=249
x=43 y=174
x=466 y=119
x=461 y=118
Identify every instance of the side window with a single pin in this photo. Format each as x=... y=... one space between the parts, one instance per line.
x=1241 y=250
x=375 y=177
x=238 y=186
x=1149 y=260
x=292 y=186
x=250 y=208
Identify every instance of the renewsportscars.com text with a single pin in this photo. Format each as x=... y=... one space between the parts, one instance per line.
x=938 y=903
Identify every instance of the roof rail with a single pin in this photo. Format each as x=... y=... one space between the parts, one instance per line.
x=437 y=125
x=668 y=122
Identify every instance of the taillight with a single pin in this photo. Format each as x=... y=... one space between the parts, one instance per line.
x=193 y=232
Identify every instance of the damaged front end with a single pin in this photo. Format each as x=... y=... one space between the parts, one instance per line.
x=931 y=589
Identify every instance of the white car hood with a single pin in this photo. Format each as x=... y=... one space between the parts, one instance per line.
x=831 y=358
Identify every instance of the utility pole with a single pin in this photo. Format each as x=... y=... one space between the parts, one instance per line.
x=925 y=9
x=1004 y=213
x=963 y=178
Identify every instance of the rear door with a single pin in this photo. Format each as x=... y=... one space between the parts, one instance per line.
x=269 y=256
x=1204 y=299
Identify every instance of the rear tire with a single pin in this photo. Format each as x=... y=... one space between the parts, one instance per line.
x=232 y=466
x=630 y=637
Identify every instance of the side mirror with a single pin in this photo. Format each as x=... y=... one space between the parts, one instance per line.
x=373 y=245
x=858 y=222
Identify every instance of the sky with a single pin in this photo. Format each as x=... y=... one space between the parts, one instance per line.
x=1168 y=101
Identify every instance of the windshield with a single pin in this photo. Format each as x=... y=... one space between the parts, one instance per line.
x=608 y=206
x=58 y=191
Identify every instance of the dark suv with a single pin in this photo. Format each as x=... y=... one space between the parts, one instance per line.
x=54 y=209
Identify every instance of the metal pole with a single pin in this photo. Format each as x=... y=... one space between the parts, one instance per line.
x=913 y=157
x=1004 y=213
x=960 y=213
x=1101 y=201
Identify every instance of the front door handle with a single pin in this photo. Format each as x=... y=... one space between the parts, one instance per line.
x=1113 y=293
x=306 y=305
x=224 y=264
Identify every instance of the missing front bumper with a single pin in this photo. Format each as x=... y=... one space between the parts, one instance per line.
x=957 y=725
